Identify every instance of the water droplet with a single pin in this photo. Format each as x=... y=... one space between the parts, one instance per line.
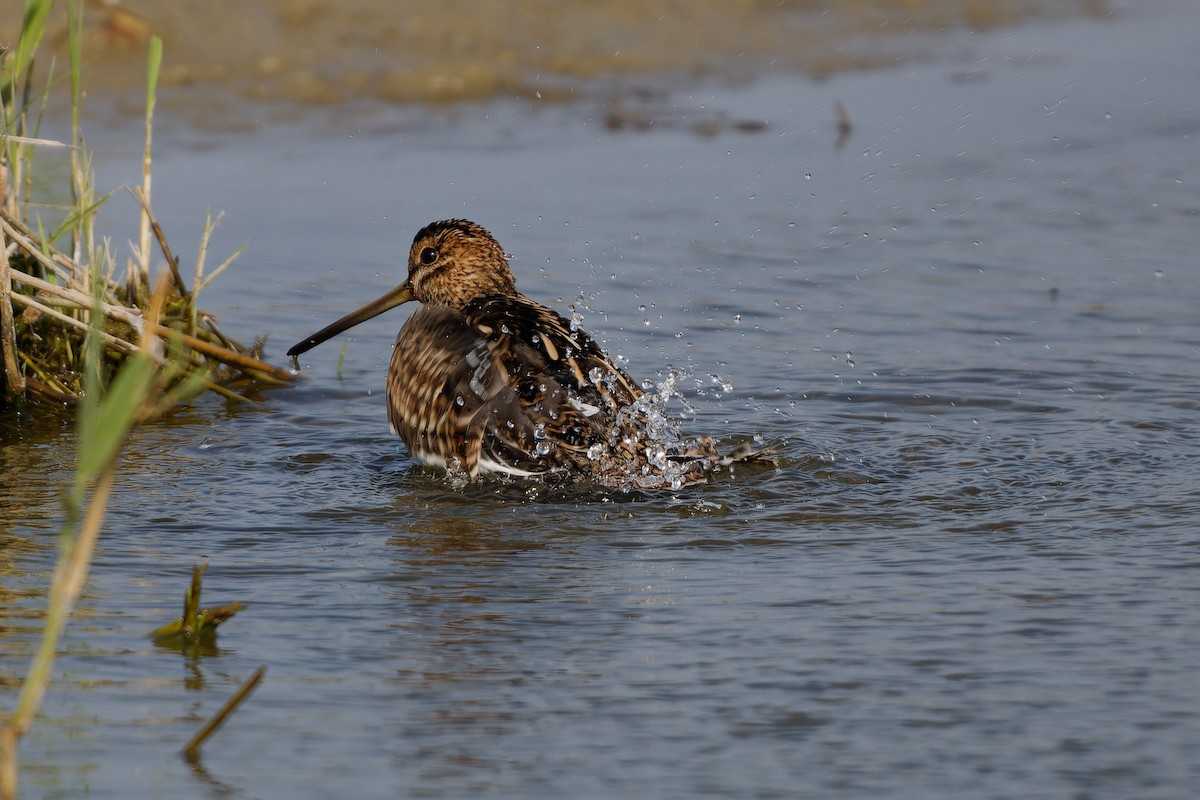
x=503 y=328
x=458 y=401
x=542 y=448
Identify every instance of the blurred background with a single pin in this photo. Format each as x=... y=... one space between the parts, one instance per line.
x=228 y=61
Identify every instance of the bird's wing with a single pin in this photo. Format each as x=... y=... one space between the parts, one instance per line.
x=506 y=386
x=560 y=382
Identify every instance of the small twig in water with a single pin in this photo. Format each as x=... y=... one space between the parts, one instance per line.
x=192 y=750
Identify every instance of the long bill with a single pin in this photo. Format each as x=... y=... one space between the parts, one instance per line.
x=398 y=296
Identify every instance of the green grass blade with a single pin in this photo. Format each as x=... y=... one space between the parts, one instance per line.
x=103 y=429
x=33 y=28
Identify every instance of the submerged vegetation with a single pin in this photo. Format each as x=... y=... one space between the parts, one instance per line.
x=119 y=348
x=197 y=625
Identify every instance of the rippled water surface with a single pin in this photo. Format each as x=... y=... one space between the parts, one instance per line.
x=973 y=327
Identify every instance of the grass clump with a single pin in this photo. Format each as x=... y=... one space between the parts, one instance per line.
x=54 y=281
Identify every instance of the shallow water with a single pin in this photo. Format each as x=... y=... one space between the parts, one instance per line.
x=973 y=327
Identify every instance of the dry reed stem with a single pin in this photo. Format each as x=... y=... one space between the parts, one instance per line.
x=8 y=326
x=229 y=357
x=259 y=370
x=77 y=299
x=115 y=342
x=73 y=293
x=57 y=262
x=192 y=750
x=172 y=261
x=133 y=318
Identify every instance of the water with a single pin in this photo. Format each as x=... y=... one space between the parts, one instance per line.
x=973 y=327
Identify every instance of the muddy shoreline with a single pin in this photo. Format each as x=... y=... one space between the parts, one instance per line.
x=282 y=58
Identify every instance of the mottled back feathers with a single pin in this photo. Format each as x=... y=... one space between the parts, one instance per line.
x=483 y=379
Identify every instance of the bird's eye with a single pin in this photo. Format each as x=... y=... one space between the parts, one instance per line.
x=429 y=255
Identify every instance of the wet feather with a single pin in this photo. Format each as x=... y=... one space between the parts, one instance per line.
x=484 y=379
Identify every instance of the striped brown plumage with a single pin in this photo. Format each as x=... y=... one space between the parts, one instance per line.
x=483 y=379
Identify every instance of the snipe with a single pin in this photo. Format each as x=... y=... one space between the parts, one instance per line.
x=483 y=379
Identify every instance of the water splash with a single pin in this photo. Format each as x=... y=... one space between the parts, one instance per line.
x=649 y=428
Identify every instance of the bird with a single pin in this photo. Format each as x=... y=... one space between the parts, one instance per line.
x=483 y=380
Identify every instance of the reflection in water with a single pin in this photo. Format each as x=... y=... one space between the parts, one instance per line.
x=476 y=622
x=192 y=652
x=212 y=785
